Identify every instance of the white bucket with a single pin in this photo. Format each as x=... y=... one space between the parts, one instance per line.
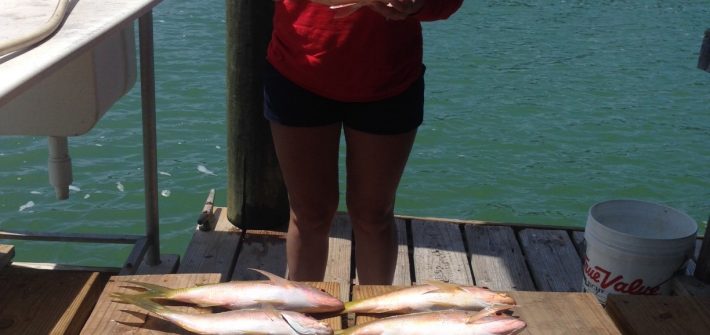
x=635 y=247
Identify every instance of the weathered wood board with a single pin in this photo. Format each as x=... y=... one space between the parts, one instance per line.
x=366 y=291
x=7 y=252
x=46 y=302
x=212 y=251
x=340 y=255
x=263 y=250
x=402 y=273
x=547 y=313
x=562 y=313
x=660 y=315
x=111 y=317
x=496 y=259
x=439 y=253
x=552 y=259
x=579 y=243
x=333 y=289
x=168 y=264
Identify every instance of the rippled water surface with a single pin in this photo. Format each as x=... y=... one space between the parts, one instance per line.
x=535 y=111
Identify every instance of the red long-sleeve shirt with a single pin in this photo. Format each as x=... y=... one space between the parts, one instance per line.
x=361 y=57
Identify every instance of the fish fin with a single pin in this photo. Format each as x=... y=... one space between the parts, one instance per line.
x=156 y=291
x=349 y=305
x=490 y=310
x=296 y=326
x=141 y=301
x=273 y=278
x=444 y=287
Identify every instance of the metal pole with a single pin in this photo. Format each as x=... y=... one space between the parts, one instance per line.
x=150 y=160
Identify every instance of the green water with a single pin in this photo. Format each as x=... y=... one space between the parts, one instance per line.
x=535 y=111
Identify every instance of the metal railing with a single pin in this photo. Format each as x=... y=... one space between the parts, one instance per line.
x=146 y=248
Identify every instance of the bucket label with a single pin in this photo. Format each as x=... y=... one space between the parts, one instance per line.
x=601 y=282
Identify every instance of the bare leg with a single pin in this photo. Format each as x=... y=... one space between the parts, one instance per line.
x=308 y=158
x=374 y=167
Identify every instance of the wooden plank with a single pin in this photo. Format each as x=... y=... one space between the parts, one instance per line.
x=660 y=315
x=110 y=317
x=517 y=225
x=261 y=249
x=552 y=259
x=333 y=289
x=361 y=292
x=340 y=255
x=563 y=313
x=402 y=274
x=496 y=259
x=689 y=286
x=212 y=251
x=7 y=252
x=47 y=302
x=439 y=253
x=168 y=264
x=579 y=243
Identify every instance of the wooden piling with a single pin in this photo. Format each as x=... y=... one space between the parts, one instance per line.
x=256 y=195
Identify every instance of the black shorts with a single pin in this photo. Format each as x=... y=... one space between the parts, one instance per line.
x=288 y=104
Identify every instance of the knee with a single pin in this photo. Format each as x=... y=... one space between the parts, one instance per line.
x=371 y=218
x=314 y=216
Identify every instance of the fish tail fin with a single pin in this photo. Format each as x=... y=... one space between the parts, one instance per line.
x=349 y=306
x=152 y=290
x=140 y=300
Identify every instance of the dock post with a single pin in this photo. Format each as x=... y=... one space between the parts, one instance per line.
x=256 y=195
x=702 y=271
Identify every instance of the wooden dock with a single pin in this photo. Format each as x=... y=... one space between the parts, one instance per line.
x=539 y=266
x=500 y=257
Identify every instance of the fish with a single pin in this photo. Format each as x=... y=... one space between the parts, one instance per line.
x=236 y=322
x=434 y=295
x=276 y=292
x=205 y=170
x=449 y=322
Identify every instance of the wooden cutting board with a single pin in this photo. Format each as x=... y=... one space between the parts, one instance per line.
x=34 y=301
x=546 y=313
x=111 y=317
x=660 y=315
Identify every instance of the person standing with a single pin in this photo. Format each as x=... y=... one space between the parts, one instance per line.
x=356 y=70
